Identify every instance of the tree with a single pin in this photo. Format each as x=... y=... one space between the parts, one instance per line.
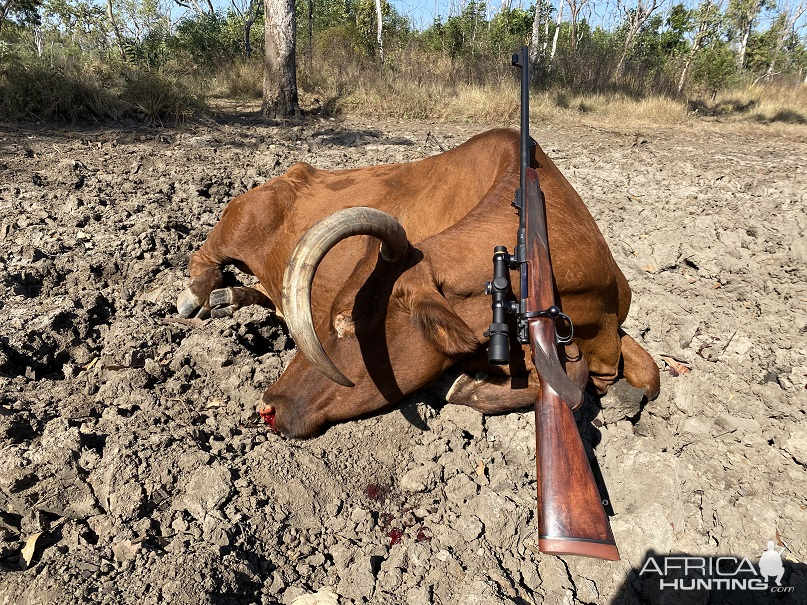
x=280 y=98
x=540 y=32
x=634 y=18
x=561 y=3
x=708 y=17
x=196 y=6
x=116 y=29
x=743 y=14
x=575 y=7
x=380 y=19
x=782 y=28
x=27 y=10
x=248 y=12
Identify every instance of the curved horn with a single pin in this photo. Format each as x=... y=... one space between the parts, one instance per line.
x=311 y=249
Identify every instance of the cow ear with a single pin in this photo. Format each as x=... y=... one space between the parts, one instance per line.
x=444 y=328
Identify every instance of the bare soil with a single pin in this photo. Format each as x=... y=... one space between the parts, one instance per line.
x=133 y=467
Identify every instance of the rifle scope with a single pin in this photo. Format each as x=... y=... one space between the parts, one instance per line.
x=499 y=330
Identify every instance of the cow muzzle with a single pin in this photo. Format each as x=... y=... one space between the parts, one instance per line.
x=305 y=259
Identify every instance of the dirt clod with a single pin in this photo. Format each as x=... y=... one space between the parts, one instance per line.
x=129 y=442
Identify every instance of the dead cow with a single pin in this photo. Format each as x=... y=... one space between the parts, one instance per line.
x=373 y=324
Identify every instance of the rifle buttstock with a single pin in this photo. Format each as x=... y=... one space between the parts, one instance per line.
x=572 y=517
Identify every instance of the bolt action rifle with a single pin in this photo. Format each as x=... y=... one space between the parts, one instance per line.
x=572 y=520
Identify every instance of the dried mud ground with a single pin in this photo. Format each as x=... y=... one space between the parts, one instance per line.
x=132 y=468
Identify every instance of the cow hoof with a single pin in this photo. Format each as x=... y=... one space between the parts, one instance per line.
x=188 y=303
x=223 y=302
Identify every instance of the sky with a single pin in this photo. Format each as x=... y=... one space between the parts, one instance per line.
x=423 y=12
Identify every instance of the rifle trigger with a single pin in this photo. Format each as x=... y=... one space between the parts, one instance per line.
x=555 y=314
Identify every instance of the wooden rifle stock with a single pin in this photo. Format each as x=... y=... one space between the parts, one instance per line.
x=572 y=520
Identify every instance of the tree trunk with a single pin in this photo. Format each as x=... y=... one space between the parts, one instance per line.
x=380 y=19
x=787 y=22
x=536 y=36
x=575 y=6
x=636 y=18
x=115 y=27
x=746 y=33
x=620 y=67
x=310 y=34
x=280 y=98
x=697 y=43
x=557 y=31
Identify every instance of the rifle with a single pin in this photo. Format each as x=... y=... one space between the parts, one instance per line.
x=572 y=520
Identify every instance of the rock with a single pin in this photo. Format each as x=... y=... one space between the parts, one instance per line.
x=622 y=401
x=465 y=419
x=503 y=520
x=125 y=550
x=460 y=488
x=418 y=596
x=480 y=592
x=358 y=581
x=324 y=596
x=421 y=478
x=469 y=527
x=126 y=499
x=796 y=446
x=205 y=490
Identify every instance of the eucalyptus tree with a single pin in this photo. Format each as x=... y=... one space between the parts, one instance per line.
x=707 y=19
x=248 y=12
x=280 y=97
x=743 y=16
x=783 y=27
x=634 y=15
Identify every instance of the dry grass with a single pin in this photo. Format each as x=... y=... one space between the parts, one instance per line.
x=242 y=79
x=758 y=103
x=413 y=85
x=417 y=85
x=70 y=91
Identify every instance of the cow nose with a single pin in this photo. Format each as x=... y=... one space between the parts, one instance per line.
x=267 y=414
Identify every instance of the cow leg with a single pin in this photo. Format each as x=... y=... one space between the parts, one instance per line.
x=639 y=369
x=204 y=297
x=492 y=393
x=498 y=393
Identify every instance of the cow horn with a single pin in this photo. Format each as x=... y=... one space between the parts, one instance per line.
x=311 y=249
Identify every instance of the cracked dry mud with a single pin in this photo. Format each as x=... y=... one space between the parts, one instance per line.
x=134 y=470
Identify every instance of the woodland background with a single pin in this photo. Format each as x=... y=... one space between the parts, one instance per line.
x=167 y=60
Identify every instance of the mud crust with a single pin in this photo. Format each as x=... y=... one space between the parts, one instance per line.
x=128 y=437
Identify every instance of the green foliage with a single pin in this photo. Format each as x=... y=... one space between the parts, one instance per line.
x=471 y=34
x=202 y=40
x=20 y=12
x=65 y=56
x=714 y=69
x=350 y=27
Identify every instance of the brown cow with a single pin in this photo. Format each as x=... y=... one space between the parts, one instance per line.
x=374 y=325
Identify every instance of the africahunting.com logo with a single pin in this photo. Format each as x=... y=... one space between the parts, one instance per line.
x=689 y=573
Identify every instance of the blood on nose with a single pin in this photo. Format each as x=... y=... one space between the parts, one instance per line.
x=268 y=416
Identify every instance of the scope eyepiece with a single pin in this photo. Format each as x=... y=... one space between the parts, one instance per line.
x=499 y=345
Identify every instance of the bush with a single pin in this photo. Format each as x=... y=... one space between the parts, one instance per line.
x=68 y=91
